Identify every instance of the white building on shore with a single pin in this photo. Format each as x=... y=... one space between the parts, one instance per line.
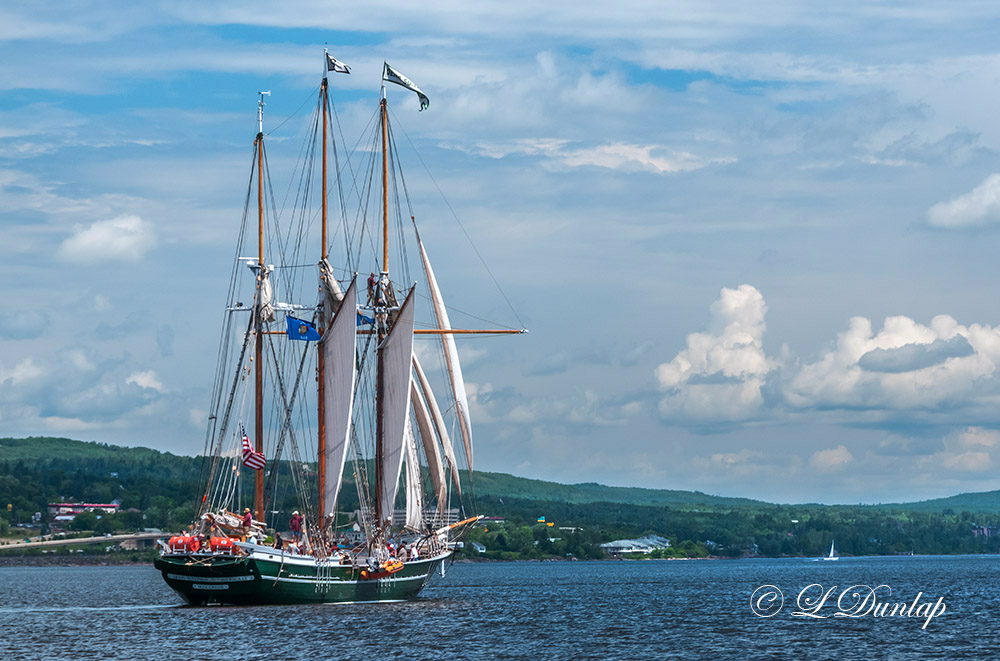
x=646 y=544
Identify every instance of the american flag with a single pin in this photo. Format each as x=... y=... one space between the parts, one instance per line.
x=251 y=459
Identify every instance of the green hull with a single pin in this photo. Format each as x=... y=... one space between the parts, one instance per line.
x=275 y=578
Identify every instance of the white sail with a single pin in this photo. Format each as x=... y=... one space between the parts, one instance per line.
x=414 y=495
x=427 y=437
x=339 y=370
x=442 y=430
x=395 y=358
x=330 y=292
x=450 y=357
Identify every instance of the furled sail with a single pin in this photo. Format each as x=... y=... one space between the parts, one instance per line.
x=266 y=306
x=338 y=381
x=330 y=292
x=395 y=358
x=442 y=430
x=414 y=496
x=427 y=437
x=450 y=357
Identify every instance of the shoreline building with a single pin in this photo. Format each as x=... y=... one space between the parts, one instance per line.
x=62 y=513
x=646 y=544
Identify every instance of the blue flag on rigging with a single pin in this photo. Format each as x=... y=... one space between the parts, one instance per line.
x=296 y=329
x=251 y=459
x=362 y=319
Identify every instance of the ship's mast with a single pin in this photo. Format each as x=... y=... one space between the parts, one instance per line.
x=320 y=363
x=382 y=320
x=258 y=479
x=385 y=186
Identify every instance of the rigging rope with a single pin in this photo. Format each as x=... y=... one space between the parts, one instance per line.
x=464 y=231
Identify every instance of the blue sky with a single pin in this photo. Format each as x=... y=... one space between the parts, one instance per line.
x=755 y=249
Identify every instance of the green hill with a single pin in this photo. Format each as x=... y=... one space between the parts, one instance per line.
x=984 y=501
x=486 y=485
x=504 y=485
x=43 y=448
x=161 y=490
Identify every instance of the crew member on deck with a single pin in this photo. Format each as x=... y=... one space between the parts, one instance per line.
x=278 y=544
x=295 y=524
x=247 y=520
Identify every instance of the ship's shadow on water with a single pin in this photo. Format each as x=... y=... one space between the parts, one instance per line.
x=586 y=610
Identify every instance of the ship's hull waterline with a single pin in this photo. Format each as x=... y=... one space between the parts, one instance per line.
x=276 y=578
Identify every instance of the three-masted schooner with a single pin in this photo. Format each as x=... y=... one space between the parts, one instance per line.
x=373 y=405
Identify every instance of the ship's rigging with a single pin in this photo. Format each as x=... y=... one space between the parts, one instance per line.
x=392 y=417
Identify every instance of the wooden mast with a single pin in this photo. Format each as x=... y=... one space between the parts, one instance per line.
x=321 y=514
x=385 y=188
x=258 y=477
x=379 y=426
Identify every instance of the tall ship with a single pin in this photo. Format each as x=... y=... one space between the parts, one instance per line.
x=319 y=398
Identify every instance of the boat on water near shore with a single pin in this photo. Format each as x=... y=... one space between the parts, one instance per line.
x=832 y=555
x=374 y=406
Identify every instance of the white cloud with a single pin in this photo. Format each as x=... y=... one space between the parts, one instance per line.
x=967 y=451
x=979 y=437
x=839 y=379
x=720 y=373
x=968 y=462
x=620 y=156
x=146 y=379
x=125 y=238
x=25 y=371
x=612 y=156
x=832 y=459
x=980 y=206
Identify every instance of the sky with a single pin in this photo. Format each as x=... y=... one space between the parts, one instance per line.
x=755 y=250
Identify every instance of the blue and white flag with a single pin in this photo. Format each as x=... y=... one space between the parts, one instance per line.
x=391 y=75
x=296 y=329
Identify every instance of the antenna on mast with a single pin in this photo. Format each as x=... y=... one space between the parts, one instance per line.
x=260 y=110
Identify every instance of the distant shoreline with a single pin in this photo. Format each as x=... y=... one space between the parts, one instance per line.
x=102 y=561
x=98 y=561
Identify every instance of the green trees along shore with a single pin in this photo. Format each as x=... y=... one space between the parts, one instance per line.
x=159 y=490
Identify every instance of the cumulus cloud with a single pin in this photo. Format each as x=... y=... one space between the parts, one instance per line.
x=832 y=459
x=967 y=451
x=980 y=206
x=147 y=379
x=942 y=369
x=74 y=388
x=906 y=365
x=25 y=371
x=720 y=374
x=125 y=238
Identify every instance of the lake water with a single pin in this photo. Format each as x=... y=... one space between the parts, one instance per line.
x=586 y=610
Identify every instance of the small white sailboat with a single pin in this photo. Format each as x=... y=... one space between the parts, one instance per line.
x=832 y=555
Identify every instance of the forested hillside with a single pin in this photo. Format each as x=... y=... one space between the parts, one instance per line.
x=160 y=490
